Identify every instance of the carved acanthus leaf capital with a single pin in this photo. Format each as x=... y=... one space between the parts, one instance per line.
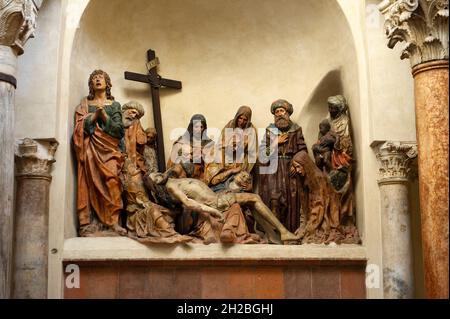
x=421 y=24
x=17 y=22
x=396 y=160
x=35 y=158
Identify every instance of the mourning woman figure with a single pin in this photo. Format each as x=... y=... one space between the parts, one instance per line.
x=321 y=211
x=192 y=146
x=243 y=126
x=97 y=134
x=322 y=207
x=236 y=151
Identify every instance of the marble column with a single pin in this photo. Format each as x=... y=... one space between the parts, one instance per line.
x=423 y=26
x=398 y=274
x=6 y=170
x=17 y=24
x=33 y=164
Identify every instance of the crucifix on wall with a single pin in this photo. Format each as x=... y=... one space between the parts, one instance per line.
x=156 y=82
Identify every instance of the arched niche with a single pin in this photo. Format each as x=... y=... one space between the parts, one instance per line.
x=226 y=53
x=316 y=108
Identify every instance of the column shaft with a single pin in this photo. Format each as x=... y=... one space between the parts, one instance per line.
x=6 y=185
x=33 y=165
x=8 y=62
x=395 y=160
x=17 y=25
x=31 y=238
x=423 y=26
x=398 y=273
x=431 y=93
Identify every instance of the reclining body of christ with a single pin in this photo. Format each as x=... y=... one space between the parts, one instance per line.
x=195 y=195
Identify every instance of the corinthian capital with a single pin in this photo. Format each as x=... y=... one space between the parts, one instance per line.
x=421 y=24
x=395 y=159
x=35 y=158
x=17 y=22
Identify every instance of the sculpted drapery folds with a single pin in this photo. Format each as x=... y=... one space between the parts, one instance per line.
x=322 y=206
x=328 y=210
x=236 y=151
x=324 y=147
x=147 y=222
x=192 y=146
x=321 y=211
x=195 y=195
x=229 y=228
x=340 y=124
x=135 y=137
x=235 y=156
x=280 y=191
x=150 y=156
x=97 y=133
x=342 y=156
x=205 y=192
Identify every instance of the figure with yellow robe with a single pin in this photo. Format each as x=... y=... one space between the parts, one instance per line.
x=236 y=151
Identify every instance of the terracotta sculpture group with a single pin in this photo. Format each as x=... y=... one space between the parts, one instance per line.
x=238 y=190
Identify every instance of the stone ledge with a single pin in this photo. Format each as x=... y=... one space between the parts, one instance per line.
x=126 y=249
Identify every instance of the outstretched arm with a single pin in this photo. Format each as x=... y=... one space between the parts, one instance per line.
x=192 y=204
x=221 y=177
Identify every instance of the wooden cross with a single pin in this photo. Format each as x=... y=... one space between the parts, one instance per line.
x=156 y=82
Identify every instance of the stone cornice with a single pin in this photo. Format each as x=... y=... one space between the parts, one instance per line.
x=421 y=24
x=17 y=22
x=34 y=159
x=396 y=160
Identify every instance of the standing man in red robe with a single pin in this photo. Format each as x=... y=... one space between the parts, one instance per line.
x=97 y=134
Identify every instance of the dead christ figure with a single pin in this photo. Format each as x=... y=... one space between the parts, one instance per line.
x=147 y=222
x=197 y=196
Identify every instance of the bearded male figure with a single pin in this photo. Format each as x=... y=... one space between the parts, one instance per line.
x=149 y=152
x=135 y=137
x=278 y=190
x=147 y=222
